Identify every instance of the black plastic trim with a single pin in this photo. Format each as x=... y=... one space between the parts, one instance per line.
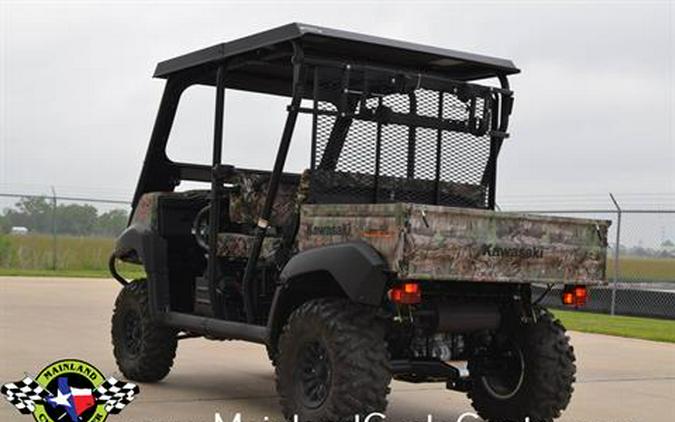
x=356 y=266
x=212 y=327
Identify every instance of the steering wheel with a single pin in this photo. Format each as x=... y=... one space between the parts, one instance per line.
x=200 y=227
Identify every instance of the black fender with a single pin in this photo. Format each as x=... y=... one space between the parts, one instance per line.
x=139 y=244
x=351 y=269
x=355 y=266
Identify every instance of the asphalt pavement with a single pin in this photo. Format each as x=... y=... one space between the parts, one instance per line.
x=46 y=319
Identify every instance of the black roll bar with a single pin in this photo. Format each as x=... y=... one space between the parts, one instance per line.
x=216 y=188
x=282 y=153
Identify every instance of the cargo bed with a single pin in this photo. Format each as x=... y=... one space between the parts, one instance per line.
x=460 y=244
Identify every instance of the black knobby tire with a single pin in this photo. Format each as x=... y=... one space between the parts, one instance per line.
x=144 y=350
x=543 y=389
x=352 y=363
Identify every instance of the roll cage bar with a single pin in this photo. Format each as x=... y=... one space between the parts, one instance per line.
x=301 y=77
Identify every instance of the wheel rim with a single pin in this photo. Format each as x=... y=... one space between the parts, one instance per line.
x=313 y=374
x=506 y=378
x=133 y=333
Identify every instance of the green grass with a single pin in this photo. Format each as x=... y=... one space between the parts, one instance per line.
x=89 y=255
x=621 y=326
x=128 y=274
x=32 y=255
x=36 y=252
x=633 y=268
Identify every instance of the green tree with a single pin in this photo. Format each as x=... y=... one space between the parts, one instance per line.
x=112 y=223
x=4 y=225
x=75 y=219
x=35 y=213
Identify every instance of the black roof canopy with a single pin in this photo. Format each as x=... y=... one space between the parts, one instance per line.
x=265 y=65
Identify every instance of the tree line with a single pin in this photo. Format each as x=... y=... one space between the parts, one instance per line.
x=38 y=215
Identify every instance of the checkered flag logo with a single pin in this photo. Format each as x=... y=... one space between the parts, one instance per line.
x=114 y=394
x=24 y=394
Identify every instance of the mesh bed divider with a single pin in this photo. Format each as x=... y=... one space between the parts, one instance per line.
x=416 y=145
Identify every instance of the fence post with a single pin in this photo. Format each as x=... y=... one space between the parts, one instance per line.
x=54 y=250
x=616 y=253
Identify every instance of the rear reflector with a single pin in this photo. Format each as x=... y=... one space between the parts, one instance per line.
x=406 y=294
x=576 y=296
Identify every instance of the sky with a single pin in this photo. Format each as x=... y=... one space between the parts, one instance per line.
x=594 y=104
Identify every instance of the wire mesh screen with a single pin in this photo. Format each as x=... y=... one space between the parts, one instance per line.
x=398 y=147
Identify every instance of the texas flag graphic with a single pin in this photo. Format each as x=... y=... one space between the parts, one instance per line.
x=75 y=401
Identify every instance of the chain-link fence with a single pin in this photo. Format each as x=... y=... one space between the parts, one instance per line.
x=75 y=235
x=68 y=235
x=640 y=264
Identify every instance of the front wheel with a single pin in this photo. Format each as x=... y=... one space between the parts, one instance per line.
x=525 y=373
x=144 y=350
x=332 y=362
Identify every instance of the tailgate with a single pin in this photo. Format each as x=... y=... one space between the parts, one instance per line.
x=480 y=245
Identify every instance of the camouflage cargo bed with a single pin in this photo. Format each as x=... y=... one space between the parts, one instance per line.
x=459 y=244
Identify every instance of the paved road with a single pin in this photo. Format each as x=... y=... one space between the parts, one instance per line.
x=43 y=319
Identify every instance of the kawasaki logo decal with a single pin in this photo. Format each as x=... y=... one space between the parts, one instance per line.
x=518 y=252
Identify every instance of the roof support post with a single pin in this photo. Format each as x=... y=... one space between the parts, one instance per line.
x=490 y=174
x=156 y=175
x=282 y=153
x=346 y=106
x=501 y=110
x=216 y=191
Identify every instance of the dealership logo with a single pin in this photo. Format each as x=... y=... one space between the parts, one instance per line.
x=69 y=390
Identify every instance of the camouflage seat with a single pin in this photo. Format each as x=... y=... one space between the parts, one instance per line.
x=246 y=203
x=238 y=246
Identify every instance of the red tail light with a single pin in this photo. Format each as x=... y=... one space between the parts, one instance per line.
x=406 y=294
x=576 y=296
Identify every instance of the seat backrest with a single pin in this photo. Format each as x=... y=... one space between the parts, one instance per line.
x=247 y=201
x=334 y=187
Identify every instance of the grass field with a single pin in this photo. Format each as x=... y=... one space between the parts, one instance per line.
x=633 y=268
x=130 y=272
x=622 y=326
x=32 y=255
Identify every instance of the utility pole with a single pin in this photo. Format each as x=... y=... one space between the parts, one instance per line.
x=616 y=253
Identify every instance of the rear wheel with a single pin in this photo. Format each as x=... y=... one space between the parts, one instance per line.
x=332 y=362
x=528 y=373
x=144 y=350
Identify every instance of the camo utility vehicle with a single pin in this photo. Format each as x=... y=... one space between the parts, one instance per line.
x=384 y=259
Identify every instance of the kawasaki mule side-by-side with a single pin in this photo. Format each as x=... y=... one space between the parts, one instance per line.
x=383 y=259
